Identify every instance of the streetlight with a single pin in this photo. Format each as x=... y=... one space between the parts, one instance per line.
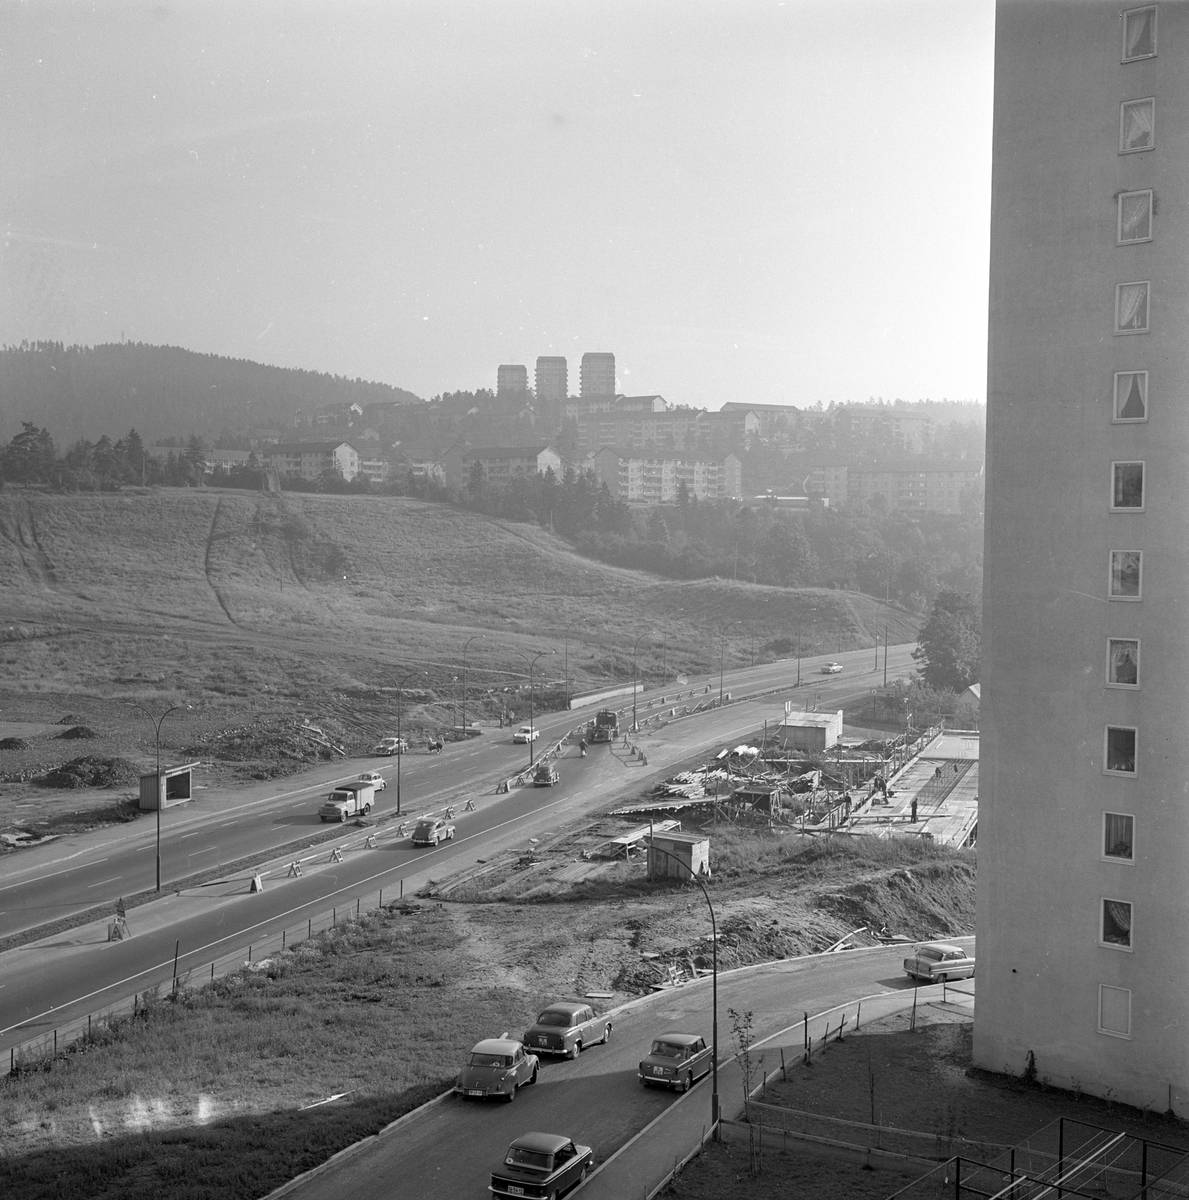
x=722 y=648
x=532 y=727
x=400 y=746
x=464 y=679
x=665 y=644
x=635 y=689
x=157 y=732
x=713 y=979
x=567 y=668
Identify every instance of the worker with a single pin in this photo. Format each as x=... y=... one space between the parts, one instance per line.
x=914 y=809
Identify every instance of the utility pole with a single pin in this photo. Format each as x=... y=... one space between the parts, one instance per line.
x=885 y=656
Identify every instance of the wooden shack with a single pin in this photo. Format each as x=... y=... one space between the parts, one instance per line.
x=678 y=855
x=174 y=785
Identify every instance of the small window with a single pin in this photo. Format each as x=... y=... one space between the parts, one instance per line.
x=1114 y=1011
x=1127 y=486
x=1120 y=749
x=1116 y=924
x=1126 y=574
x=1135 y=217
x=1131 y=307
x=1118 y=837
x=1131 y=396
x=1122 y=662
x=1137 y=125
x=1139 y=33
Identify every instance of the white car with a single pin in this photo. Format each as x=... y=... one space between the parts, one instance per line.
x=832 y=669
x=374 y=778
x=526 y=733
x=390 y=746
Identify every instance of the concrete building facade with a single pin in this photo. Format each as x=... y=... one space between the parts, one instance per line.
x=597 y=374
x=1083 y=811
x=511 y=380
x=307 y=460
x=645 y=480
x=552 y=379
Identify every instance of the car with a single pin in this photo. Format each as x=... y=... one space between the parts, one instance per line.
x=676 y=1060
x=526 y=733
x=565 y=1028
x=431 y=831
x=544 y=1165
x=374 y=778
x=832 y=669
x=497 y=1067
x=391 y=745
x=545 y=775
x=939 y=962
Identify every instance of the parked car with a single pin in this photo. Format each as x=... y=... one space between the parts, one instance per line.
x=526 y=733
x=541 y=1165
x=832 y=669
x=374 y=778
x=676 y=1060
x=391 y=745
x=497 y=1067
x=545 y=775
x=939 y=962
x=432 y=831
x=565 y=1028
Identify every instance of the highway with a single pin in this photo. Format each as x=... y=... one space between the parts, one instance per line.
x=42 y=985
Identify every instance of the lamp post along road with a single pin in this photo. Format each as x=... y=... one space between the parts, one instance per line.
x=567 y=665
x=464 y=678
x=531 y=723
x=400 y=746
x=722 y=648
x=635 y=685
x=157 y=733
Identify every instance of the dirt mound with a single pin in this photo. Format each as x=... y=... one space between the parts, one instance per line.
x=70 y=719
x=934 y=896
x=90 y=771
x=79 y=731
x=13 y=743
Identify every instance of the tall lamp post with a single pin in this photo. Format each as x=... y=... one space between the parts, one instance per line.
x=157 y=733
x=532 y=662
x=567 y=667
x=635 y=688
x=665 y=645
x=722 y=649
x=400 y=746
x=714 y=1108
x=464 y=678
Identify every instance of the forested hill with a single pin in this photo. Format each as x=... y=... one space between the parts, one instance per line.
x=87 y=391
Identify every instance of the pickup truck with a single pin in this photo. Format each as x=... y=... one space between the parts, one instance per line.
x=939 y=962
x=545 y=775
x=348 y=800
x=565 y=1028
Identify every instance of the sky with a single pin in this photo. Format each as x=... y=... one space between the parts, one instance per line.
x=743 y=200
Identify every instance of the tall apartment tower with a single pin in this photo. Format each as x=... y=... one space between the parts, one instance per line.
x=552 y=379
x=598 y=375
x=1083 y=847
x=511 y=381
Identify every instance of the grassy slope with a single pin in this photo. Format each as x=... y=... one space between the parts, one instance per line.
x=164 y=590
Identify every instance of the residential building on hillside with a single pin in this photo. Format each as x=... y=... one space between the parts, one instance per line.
x=669 y=428
x=586 y=406
x=774 y=422
x=597 y=374
x=906 y=486
x=511 y=380
x=1083 y=819
x=644 y=480
x=500 y=464
x=552 y=382
x=308 y=460
x=911 y=433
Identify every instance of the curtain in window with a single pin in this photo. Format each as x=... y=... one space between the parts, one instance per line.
x=1137 y=125
x=1124 y=662
x=1135 y=216
x=1133 y=306
x=1118 y=835
x=1133 y=406
x=1139 y=34
x=1119 y=913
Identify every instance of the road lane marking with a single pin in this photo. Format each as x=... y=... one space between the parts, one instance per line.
x=196 y=832
x=114 y=879
x=65 y=871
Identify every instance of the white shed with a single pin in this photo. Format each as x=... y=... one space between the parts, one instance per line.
x=810 y=731
x=678 y=855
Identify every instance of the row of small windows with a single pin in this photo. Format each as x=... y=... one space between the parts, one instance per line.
x=1137 y=132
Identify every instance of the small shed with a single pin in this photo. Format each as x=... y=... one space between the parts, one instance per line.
x=678 y=855
x=762 y=796
x=173 y=786
x=810 y=731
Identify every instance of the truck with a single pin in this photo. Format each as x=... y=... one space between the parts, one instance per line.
x=545 y=775
x=605 y=725
x=348 y=800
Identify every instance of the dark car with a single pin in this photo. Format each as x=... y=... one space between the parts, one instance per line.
x=497 y=1067
x=676 y=1060
x=565 y=1028
x=431 y=831
x=544 y=1165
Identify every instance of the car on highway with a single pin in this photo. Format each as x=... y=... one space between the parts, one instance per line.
x=391 y=745
x=374 y=778
x=676 y=1060
x=544 y=1165
x=431 y=831
x=545 y=775
x=832 y=668
x=497 y=1067
x=526 y=733
x=939 y=962
x=566 y=1028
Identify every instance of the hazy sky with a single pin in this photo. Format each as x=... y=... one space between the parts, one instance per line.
x=743 y=200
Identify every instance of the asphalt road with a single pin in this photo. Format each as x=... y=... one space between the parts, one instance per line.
x=597 y=1100
x=79 y=972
